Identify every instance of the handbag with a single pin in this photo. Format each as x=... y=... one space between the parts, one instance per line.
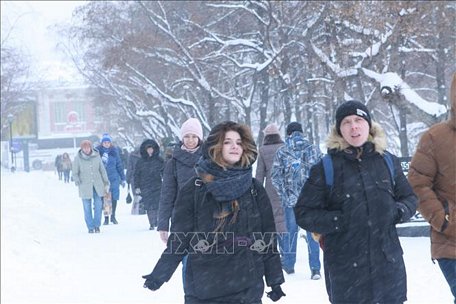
x=129 y=199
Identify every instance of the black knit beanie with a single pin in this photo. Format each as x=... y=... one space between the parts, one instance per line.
x=294 y=126
x=352 y=107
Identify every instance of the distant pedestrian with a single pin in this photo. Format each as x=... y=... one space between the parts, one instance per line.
x=58 y=166
x=148 y=179
x=133 y=158
x=433 y=177
x=90 y=176
x=110 y=155
x=124 y=157
x=66 y=167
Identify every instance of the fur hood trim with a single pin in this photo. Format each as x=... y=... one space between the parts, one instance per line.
x=376 y=136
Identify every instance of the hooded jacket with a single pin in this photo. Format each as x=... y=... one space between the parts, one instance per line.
x=114 y=168
x=357 y=216
x=433 y=177
x=148 y=174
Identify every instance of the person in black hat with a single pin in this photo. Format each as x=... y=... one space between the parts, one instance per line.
x=356 y=215
x=290 y=169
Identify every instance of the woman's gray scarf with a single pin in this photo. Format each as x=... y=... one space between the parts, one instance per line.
x=224 y=184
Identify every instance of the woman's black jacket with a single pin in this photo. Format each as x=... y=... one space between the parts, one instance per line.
x=227 y=266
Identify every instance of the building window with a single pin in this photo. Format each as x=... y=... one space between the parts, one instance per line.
x=60 y=112
x=78 y=107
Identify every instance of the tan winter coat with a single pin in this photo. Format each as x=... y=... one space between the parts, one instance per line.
x=433 y=178
x=89 y=173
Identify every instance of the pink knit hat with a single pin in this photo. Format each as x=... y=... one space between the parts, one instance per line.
x=192 y=126
x=271 y=129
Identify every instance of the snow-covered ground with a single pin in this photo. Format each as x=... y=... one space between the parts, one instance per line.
x=47 y=256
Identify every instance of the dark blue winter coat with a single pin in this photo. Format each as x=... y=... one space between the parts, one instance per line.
x=114 y=167
x=362 y=253
x=179 y=169
x=148 y=174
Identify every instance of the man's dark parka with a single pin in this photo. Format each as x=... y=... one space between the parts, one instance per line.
x=357 y=217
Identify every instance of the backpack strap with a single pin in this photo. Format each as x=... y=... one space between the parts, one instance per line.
x=390 y=164
x=329 y=170
x=196 y=200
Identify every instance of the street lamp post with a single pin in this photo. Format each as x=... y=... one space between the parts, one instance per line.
x=10 y=118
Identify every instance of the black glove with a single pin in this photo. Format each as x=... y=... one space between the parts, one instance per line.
x=276 y=293
x=403 y=213
x=151 y=283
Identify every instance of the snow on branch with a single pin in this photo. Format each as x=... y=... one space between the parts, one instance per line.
x=394 y=82
x=335 y=68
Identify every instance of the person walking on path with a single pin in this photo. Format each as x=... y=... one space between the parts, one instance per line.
x=66 y=167
x=148 y=179
x=223 y=220
x=433 y=178
x=133 y=158
x=111 y=160
x=358 y=213
x=271 y=143
x=90 y=176
x=178 y=170
x=58 y=166
x=290 y=170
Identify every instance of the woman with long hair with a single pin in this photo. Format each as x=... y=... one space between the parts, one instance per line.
x=223 y=221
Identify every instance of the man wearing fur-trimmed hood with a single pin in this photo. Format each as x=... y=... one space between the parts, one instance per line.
x=357 y=215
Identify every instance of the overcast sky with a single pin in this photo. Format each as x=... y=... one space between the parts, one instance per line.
x=28 y=22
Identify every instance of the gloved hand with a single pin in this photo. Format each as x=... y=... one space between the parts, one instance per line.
x=122 y=183
x=276 y=293
x=137 y=191
x=151 y=283
x=403 y=213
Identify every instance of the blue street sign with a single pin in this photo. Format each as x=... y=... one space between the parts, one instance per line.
x=16 y=147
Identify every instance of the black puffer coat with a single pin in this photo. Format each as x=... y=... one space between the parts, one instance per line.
x=362 y=253
x=234 y=264
x=179 y=169
x=148 y=175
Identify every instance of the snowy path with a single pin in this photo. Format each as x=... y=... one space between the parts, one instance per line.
x=47 y=256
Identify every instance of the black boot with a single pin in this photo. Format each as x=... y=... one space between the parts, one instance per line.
x=113 y=220
x=106 y=222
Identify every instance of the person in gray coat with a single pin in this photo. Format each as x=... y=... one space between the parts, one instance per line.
x=90 y=176
x=272 y=141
